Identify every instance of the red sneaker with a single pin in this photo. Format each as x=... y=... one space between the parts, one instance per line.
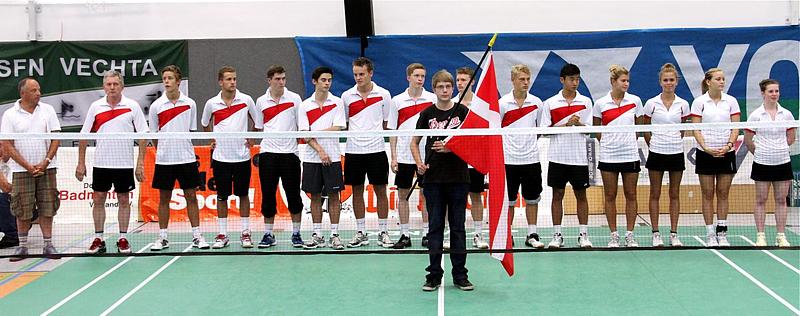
x=98 y=245
x=123 y=246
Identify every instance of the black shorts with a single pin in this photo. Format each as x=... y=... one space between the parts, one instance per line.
x=231 y=174
x=709 y=165
x=357 y=167
x=272 y=169
x=322 y=179
x=477 y=181
x=771 y=173
x=186 y=174
x=404 y=178
x=559 y=174
x=529 y=177
x=662 y=162
x=121 y=179
x=621 y=167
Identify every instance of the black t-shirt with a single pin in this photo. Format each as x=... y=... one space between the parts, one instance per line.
x=444 y=167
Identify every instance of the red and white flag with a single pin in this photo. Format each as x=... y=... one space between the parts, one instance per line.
x=485 y=153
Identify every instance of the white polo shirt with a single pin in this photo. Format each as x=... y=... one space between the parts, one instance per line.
x=230 y=119
x=772 y=148
x=704 y=108
x=366 y=115
x=178 y=117
x=667 y=142
x=313 y=117
x=520 y=149
x=403 y=115
x=42 y=120
x=125 y=117
x=618 y=147
x=278 y=116
x=568 y=149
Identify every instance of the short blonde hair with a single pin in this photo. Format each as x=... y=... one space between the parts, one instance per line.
x=520 y=68
x=414 y=66
x=441 y=76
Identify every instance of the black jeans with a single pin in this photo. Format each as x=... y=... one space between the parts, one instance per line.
x=8 y=223
x=446 y=199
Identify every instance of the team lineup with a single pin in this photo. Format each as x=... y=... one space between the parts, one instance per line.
x=445 y=181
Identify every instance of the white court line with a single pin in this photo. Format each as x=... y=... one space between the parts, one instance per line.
x=441 y=294
x=783 y=262
x=751 y=278
x=142 y=284
x=91 y=283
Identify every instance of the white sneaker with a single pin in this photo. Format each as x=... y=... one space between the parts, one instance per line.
x=583 y=240
x=316 y=241
x=446 y=245
x=657 y=242
x=221 y=241
x=533 y=241
x=159 y=244
x=200 y=243
x=384 y=240
x=630 y=240
x=247 y=242
x=722 y=239
x=613 y=241
x=557 y=241
x=781 y=241
x=359 y=239
x=674 y=241
x=761 y=240
x=711 y=240
x=336 y=242
x=478 y=242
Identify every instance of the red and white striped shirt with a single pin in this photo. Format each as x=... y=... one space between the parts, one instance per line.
x=125 y=117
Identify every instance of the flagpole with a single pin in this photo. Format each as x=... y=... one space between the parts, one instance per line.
x=461 y=98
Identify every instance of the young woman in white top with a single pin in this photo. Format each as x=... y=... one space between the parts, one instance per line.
x=666 y=151
x=715 y=158
x=771 y=162
x=619 y=152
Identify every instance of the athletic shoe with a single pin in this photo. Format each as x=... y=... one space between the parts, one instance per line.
x=18 y=253
x=630 y=240
x=533 y=241
x=384 y=240
x=657 y=242
x=431 y=285
x=613 y=241
x=267 y=241
x=464 y=285
x=297 y=241
x=711 y=240
x=50 y=251
x=336 y=242
x=98 y=246
x=123 y=246
x=478 y=242
x=200 y=242
x=781 y=241
x=359 y=239
x=245 y=239
x=583 y=240
x=402 y=243
x=159 y=244
x=316 y=241
x=674 y=241
x=221 y=241
x=557 y=241
x=722 y=238
x=425 y=241
x=761 y=240
x=446 y=245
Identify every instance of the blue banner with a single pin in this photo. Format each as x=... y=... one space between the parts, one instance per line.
x=747 y=55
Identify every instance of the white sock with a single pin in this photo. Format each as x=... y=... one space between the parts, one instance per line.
x=710 y=230
x=531 y=229
x=295 y=227
x=478 y=225
x=722 y=222
x=614 y=233
x=162 y=233
x=361 y=224
x=98 y=235
x=122 y=235
x=245 y=223
x=557 y=229
x=268 y=228
x=196 y=232
x=318 y=229
x=382 y=226
x=334 y=229
x=404 y=229
x=629 y=233
x=223 y=225
x=425 y=228
x=584 y=229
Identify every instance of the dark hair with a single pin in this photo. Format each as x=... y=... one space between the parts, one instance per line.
x=223 y=70
x=275 y=69
x=364 y=62
x=319 y=71
x=465 y=71
x=764 y=83
x=569 y=70
x=22 y=83
x=175 y=70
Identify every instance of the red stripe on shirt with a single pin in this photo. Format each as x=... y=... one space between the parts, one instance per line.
x=612 y=114
x=514 y=115
x=315 y=114
x=273 y=111
x=360 y=105
x=558 y=114
x=221 y=115
x=102 y=118
x=165 y=116
x=408 y=112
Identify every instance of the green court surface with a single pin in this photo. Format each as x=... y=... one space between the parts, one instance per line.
x=681 y=282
